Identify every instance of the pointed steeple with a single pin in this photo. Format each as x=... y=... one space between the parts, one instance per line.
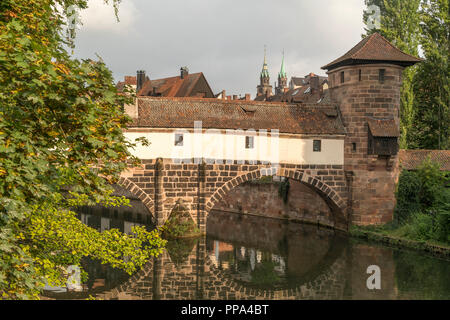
x=264 y=87
x=265 y=69
x=282 y=78
x=282 y=73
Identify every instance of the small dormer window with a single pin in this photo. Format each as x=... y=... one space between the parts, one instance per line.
x=249 y=142
x=317 y=145
x=178 y=139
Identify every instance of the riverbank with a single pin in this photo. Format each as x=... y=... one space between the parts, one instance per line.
x=384 y=237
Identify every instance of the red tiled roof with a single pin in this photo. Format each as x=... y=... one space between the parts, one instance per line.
x=383 y=128
x=373 y=48
x=131 y=80
x=171 y=87
x=159 y=112
x=411 y=159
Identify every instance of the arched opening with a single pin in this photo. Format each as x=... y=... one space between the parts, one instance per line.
x=309 y=199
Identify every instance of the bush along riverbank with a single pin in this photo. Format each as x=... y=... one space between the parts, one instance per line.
x=180 y=224
x=422 y=214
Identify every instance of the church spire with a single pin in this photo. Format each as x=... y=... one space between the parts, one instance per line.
x=282 y=73
x=265 y=69
x=264 y=87
x=282 y=78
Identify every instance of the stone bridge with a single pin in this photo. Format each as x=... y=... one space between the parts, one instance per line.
x=162 y=183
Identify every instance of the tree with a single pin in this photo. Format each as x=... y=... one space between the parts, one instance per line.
x=431 y=83
x=400 y=24
x=61 y=145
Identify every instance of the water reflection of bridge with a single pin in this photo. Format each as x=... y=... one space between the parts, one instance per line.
x=318 y=265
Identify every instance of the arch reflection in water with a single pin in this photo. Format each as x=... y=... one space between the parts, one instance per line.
x=260 y=259
x=245 y=257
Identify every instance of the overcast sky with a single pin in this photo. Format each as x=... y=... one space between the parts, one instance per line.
x=224 y=39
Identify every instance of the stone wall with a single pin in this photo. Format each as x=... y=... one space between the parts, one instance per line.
x=163 y=183
x=303 y=203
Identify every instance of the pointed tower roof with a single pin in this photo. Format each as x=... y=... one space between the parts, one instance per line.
x=265 y=69
x=373 y=49
x=282 y=73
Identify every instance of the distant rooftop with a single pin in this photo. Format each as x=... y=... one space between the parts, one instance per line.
x=411 y=159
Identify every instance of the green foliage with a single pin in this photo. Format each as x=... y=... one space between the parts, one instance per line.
x=61 y=145
x=262 y=180
x=265 y=274
x=432 y=183
x=432 y=81
x=283 y=190
x=407 y=196
x=423 y=204
x=421 y=277
x=180 y=224
x=179 y=249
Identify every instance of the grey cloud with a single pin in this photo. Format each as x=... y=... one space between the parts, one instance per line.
x=225 y=38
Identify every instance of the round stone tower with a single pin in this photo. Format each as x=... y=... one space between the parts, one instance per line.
x=366 y=83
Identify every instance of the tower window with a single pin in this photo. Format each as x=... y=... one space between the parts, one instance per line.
x=354 y=146
x=178 y=139
x=249 y=142
x=381 y=74
x=317 y=145
x=360 y=74
x=342 y=77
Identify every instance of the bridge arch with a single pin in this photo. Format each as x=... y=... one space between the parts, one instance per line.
x=335 y=202
x=138 y=193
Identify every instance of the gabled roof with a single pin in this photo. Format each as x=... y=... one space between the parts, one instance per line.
x=161 y=112
x=411 y=159
x=373 y=49
x=172 y=86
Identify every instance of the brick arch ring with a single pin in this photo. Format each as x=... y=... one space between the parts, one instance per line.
x=331 y=197
x=139 y=193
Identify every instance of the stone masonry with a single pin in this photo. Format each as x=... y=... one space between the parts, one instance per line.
x=162 y=183
x=373 y=177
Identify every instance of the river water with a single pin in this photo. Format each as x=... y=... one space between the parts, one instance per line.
x=247 y=257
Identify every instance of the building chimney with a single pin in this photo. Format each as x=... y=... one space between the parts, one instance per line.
x=314 y=83
x=247 y=97
x=184 y=72
x=235 y=97
x=228 y=97
x=224 y=97
x=140 y=79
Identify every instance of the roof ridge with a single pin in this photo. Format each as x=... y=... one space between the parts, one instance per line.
x=240 y=102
